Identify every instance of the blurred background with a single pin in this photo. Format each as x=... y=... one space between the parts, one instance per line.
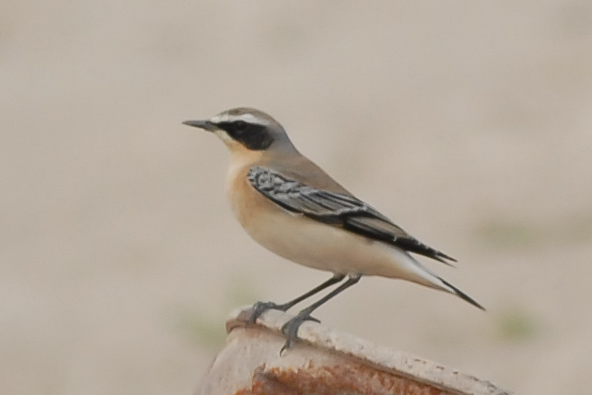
x=468 y=123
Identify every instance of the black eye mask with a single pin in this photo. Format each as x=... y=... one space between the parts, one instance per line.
x=253 y=136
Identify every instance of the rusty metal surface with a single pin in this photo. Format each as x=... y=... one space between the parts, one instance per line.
x=325 y=361
x=325 y=380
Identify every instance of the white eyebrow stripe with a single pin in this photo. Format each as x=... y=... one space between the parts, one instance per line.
x=248 y=118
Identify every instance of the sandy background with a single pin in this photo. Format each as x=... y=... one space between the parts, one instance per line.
x=468 y=123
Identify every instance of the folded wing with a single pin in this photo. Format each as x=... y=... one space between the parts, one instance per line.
x=336 y=209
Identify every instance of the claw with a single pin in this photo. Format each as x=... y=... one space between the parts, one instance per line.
x=290 y=329
x=286 y=346
x=261 y=307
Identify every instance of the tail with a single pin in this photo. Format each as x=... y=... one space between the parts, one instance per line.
x=406 y=267
x=461 y=294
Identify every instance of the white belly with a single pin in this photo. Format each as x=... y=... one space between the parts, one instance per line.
x=320 y=246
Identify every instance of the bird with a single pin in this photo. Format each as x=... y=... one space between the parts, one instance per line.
x=293 y=208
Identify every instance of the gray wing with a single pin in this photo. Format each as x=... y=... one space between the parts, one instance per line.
x=336 y=209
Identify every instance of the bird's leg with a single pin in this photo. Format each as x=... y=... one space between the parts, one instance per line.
x=260 y=307
x=290 y=328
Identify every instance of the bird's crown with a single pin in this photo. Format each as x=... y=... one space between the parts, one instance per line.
x=244 y=114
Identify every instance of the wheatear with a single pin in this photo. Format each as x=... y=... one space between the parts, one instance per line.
x=293 y=208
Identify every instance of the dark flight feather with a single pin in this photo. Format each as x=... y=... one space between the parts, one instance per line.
x=337 y=209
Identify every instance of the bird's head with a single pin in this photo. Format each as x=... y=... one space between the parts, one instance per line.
x=246 y=128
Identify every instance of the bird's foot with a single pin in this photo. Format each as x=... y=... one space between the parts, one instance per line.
x=261 y=307
x=290 y=328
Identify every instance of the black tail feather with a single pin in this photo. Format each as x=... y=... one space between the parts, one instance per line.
x=463 y=295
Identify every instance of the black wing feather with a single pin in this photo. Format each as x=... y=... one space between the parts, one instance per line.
x=336 y=209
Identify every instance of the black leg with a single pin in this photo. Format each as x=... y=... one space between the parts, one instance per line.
x=290 y=328
x=260 y=307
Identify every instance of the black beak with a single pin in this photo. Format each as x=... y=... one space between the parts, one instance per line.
x=205 y=125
